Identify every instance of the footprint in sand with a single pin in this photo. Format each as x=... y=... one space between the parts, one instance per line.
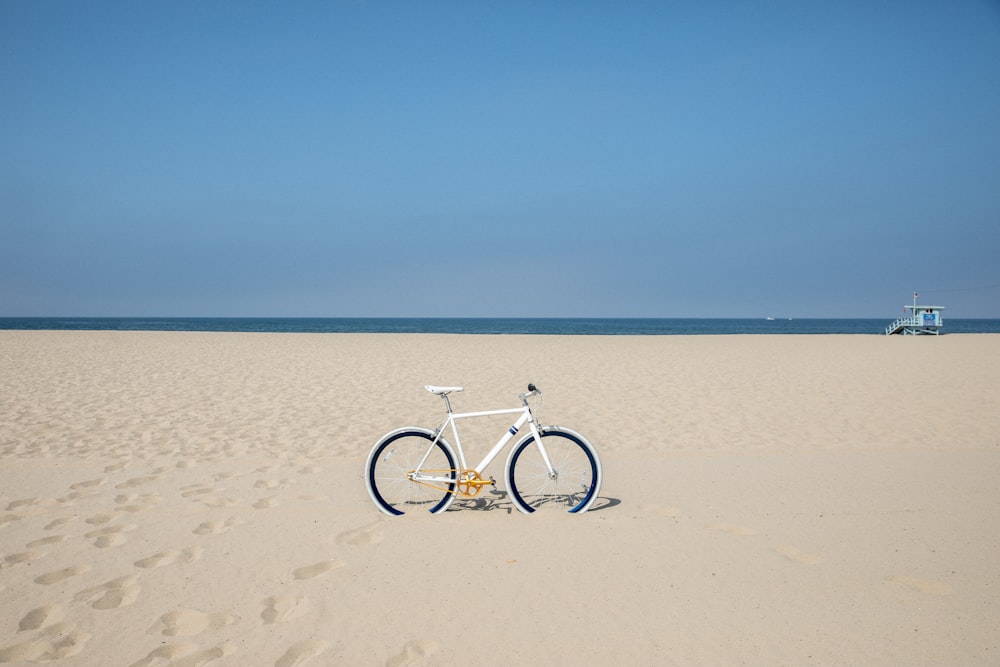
x=266 y=503
x=219 y=501
x=40 y=616
x=272 y=484
x=189 y=622
x=199 y=490
x=363 y=536
x=58 y=641
x=71 y=498
x=170 y=557
x=52 y=539
x=108 y=541
x=55 y=523
x=111 y=536
x=279 y=609
x=132 y=509
x=184 y=653
x=23 y=502
x=61 y=575
x=414 y=653
x=23 y=557
x=317 y=569
x=116 y=467
x=9 y=518
x=928 y=586
x=137 y=498
x=797 y=556
x=101 y=519
x=88 y=484
x=116 y=593
x=217 y=527
x=137 y=481
x=300 y=653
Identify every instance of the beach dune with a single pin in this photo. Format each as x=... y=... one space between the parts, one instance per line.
x=173 y=498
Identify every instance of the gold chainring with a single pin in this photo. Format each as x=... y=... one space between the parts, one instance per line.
x=470 y=483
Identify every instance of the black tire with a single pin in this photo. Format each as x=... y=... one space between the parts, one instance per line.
x=397 y=454
x=575 y=483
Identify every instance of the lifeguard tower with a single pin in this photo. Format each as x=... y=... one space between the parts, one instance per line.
x=919 y=320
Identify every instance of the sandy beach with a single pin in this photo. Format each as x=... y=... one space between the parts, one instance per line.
x=198 y=499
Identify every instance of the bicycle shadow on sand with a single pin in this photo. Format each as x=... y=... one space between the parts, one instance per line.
x=497 y=500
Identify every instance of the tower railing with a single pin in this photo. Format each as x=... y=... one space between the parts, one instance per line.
x=901 y=323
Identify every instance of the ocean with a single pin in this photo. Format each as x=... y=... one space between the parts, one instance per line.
x=478 y=325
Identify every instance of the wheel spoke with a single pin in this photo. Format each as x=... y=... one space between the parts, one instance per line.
x=571 y=486
x=390 y=464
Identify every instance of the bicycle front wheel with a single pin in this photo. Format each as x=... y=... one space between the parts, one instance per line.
x=392 y=462
x=572 y=483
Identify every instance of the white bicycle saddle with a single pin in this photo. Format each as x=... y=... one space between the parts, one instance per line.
x=441 y=390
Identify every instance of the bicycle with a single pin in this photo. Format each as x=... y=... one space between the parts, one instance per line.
x=551 y=467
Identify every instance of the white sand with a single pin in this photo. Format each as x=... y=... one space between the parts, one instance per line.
x=192 y=499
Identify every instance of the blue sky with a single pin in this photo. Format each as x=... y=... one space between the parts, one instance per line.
x=647 y=159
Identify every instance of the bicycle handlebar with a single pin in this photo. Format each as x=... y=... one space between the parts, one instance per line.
x=532 y=391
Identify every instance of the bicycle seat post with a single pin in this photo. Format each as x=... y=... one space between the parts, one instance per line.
x=447 y=403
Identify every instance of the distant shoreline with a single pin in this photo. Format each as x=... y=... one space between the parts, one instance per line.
x=480 y=325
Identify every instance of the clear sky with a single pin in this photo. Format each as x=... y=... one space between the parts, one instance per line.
x=606 y=159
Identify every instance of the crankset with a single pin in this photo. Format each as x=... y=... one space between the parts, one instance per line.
x=470 y=483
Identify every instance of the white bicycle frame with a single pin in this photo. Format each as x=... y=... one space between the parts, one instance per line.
x=526 y=418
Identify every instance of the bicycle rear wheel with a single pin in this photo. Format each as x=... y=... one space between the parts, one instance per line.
x=571 y=487
x=394 y=457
